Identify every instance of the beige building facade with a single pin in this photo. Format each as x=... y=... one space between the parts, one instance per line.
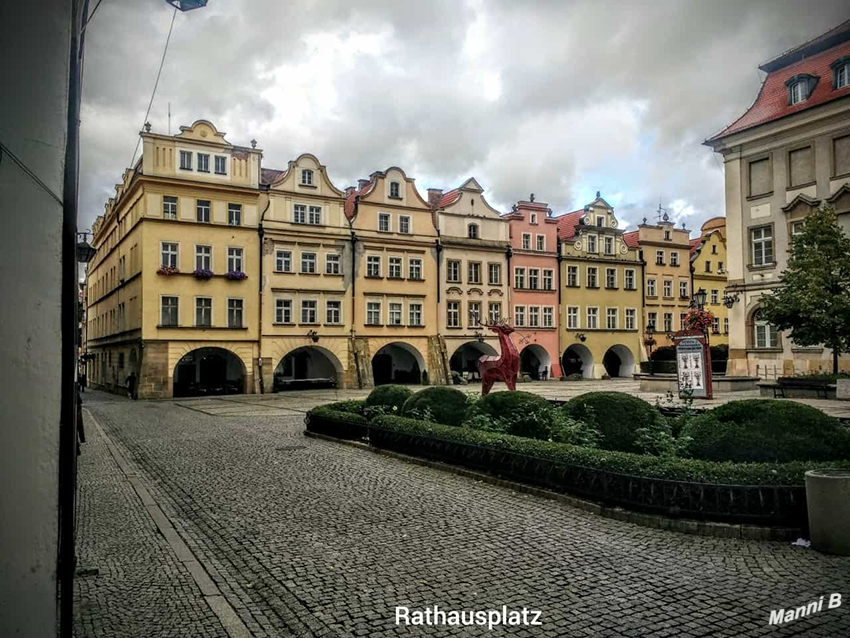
x=708 y=268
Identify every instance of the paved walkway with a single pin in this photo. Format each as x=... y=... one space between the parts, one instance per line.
x=305 y=537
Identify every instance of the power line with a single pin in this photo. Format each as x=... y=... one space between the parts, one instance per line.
x=30 y=173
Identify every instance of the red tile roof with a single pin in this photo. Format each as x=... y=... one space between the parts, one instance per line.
x=270 y=175
x=631 y=239
x=695 y=244
x=567 y=224
x=772 y=100
x=349 y=208
x=449 y=198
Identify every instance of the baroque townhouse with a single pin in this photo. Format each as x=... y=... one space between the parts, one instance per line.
x=708 y=268
x=171 y=290
x=473 y=274
x=394 y=325
x=666 y=251
x=534 y=288
x=601 y=294
x=784 y=157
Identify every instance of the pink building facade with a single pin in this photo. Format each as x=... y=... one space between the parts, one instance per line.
x=533 y=272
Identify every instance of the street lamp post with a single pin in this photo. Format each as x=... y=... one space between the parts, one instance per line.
x=649 y=341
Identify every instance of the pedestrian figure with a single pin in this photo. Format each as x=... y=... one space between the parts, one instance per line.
x=131 y=385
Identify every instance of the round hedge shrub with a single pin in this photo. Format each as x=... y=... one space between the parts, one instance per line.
x=515 y=412
x=445 y=405
x=767 y=430
x=616 y=415
x=389 y=396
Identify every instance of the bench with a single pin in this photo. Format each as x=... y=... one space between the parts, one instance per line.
x=819 y=387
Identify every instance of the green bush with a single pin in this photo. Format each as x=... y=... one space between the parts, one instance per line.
x=443 y=404
x=389 y=395
x=352 y=406
x=719 y=352
x=542 y=422
x=766 y=430
x=616 y=415
x=663 y=353
x=519 y=413
x=325 y=419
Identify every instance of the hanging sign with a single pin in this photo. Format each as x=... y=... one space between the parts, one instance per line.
x=693 y=364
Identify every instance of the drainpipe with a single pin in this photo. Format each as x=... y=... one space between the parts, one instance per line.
x=354 y=290
x=509 y=253
x=261 y=235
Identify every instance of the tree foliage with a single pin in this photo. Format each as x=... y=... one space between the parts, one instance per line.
x=813 y=301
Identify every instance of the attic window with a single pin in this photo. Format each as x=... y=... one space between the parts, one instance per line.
x=472 y=231
x=841 y=72
x=307 y=177
x=800 y=87
x=394 y=190
x=533 y=218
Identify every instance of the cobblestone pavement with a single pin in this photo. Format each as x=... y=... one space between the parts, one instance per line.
x=307 y=537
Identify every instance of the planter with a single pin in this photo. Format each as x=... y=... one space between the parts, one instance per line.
x=828 y=496
x=235 y=275
x=203 y=274
x=842 y=389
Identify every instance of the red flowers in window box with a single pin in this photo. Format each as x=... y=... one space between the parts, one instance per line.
x=167 y=271
x=701 y=320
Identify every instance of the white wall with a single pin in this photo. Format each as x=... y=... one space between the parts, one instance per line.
x=34 y=45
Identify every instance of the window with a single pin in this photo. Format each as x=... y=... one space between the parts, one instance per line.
x=333 y=312
x=541 y=242
x=394 y=271
x=652 y=319
x=572 y=276
x=394 y=190
x=707 y=266
x=519 y=315
x=841 y=73
x=682 y=318
x=609 y=245
x=474 y=311
x=494 y=311
x=668 y=234
x=801 y=166
x=760 y=179
x=203 y=257
x=761 y=240
x=631 y=318
x=548 y=317
x=415 y=314
x=283 y=261
x=765 y=335
x=306 y=177
x=373 y=313
x=720 y=267
x=404 y=224
x=683 y=289
x=650 y=288
x=797 y=92
x=234 y=313
x=220 y=165
x=591 y=244
x=592 y=318
x=308 y=311
x=453 y=271
x=299 y=214
x=373 y=266
x=169 y=311
x=494 y=272
x=533 y=218
x=629 y=278
x=668 y=288
x=841 y=155
x=308 y=263
x=715 y=296
x=332 y=264
x=186 y=160
x=473 y=271
x=202 y=211
x=472 y=231
x=395 y=313
x=600 y=221
x=453 y=314
x=610 y=277
x=169 y=207
x=591 y=277
x=796 y=228
x=203 y=311
x=283 y=311
x=203 y=163
x=415 y=269
x=234 y=259
x=674 y=258
x=659 y=257
x=714 y=249
x=384 y=222
x=548 y=279
x=611 y=319
x=668 y=322
x=533 y=278
x=168 y=255
x=519 y=277
x=534 y=316
x=234 y=214
x=572 y=317
x=526 y=241
x=715 y=326
x=315 y=215
x=726 y=325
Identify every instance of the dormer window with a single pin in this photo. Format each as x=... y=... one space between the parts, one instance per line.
x=800 y=87
x=394 y=190
x=841 y=72
x=533 y=218
x=472 y=231
x=600 y=221
x=307 y=177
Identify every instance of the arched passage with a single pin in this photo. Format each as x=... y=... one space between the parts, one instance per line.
x=397 y=362
x=209 y=371
x=577 y=359
x=619 y=361
x=464 y=361
x=535 y=361
x=307 y=367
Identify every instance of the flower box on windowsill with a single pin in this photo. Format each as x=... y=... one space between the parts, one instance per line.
x=167 y=271
x=203 y=274
x=235 y=275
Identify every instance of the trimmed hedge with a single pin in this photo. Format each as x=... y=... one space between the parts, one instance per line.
x=445 y=404
x=505 y=404
x=390 y=395
x=766 y=430
x=352 y=406
x=616 y=415
x=325 y=419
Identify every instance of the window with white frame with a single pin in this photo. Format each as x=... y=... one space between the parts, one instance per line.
x=314 y=215
x=308 y=311
x=373 y=266
x=592 y=277
x=235 y=313
x=682 y=319
x=572 y=276
x=474 y=313
x=168 y=254
x=572 y=317
x=384 y=222
x=533 y=278
x=726 y=325
x=169 y=308
x=674 y=258
x=185 y=160
x=453 y=314
x=234 y=259
x=683 y=289
x=611 y=318
x=283 y=310
x=169 y=207
x=667 y=287
x=453 y=271
x=414 y=312
x=306 y=177
x=395 y=190
x=761 y=240
x=203 y=311
x=631 y=319
x=592 y=318
x=526 y=241
x=519 y=277
x=415 y=268
x=534 y=316
x=332 y=263
x=395 y=308
x=308 y=263
x=841 y=73
x=202 y=211
x=519 y=315
x=715 y=325
x=548 y=279
x=765 y=335
x=299 y=213
x=373 y=313
x=220 y=165
x=533 y=218
x=404 y=224
x=668 y=322
x=333 y=312
x=610 y=277
x=629 y=279
x=541 y=242
x=609 y=245
x=283 y=261
x=472 y=231
x=591 y=244
x=234 y=214
x=659 y=257
x=473 y=272
x=548 y=317
x=797 y=92
x=494 y=311
x=715 y=296
x=495 y=274
x=650 y=288
x=203 y=163
x=203 y=257
x=394 y=268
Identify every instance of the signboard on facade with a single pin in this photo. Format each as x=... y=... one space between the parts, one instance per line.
x=693 y=366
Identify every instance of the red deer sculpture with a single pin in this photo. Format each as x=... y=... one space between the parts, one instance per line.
x=504 y=367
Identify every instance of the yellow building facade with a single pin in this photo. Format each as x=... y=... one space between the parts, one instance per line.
x=708 y=266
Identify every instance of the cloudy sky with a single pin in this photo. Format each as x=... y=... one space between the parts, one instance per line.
x=556 y=98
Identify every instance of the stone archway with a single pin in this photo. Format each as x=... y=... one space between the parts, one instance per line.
x=577 y=359
x=209 y=371
x=619 y=361
x=464 y=360
x=307 y=367
x=397 y=362
x=535 y=361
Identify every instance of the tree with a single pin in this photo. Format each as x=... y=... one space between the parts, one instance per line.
x=813 y=301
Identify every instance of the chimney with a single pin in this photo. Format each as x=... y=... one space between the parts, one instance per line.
x=434 y=196
x=349 y=190
x=362 y=183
